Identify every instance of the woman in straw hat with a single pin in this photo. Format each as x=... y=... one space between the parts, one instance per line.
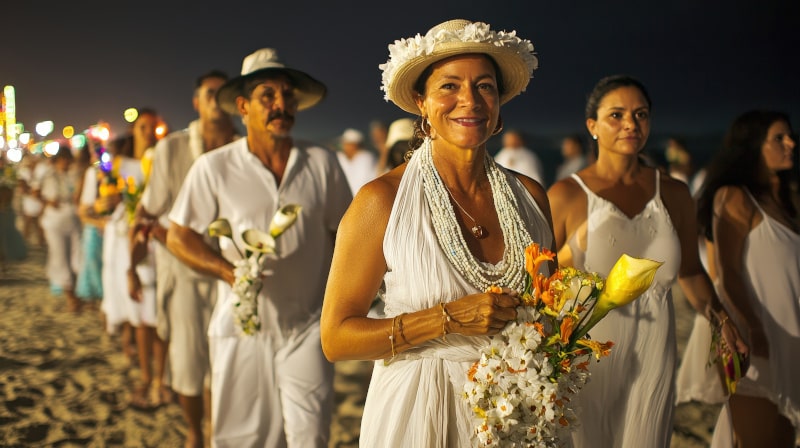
x=438 y=231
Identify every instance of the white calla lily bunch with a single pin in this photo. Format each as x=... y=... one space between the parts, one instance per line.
x=258 y=246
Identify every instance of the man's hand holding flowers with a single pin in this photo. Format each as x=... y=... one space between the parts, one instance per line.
x=247 y=275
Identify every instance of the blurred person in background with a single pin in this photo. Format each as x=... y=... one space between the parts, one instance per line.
x=12 y=244
x=184 y=296
x=401 y=131
x=61 y=225
x=745 y=209
x=358 y=163
x=572 y=155
x=89 y=286
x=679 y=160
x=378 y=132
x=31 y=170
x=124 y=305
x=514 y=155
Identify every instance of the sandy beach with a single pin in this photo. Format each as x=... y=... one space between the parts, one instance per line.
x=64 y=382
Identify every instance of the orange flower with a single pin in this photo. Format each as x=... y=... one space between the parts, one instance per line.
x=599 y=349
x=567 y=325
x=131 y=185
x=535 y=256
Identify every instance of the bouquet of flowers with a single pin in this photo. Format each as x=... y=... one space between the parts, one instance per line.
x=258 y=246
x=521 y=387
x=112 y=183
x=733 y=363
x=131 y=190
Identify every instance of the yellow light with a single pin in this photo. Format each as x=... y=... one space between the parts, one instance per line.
x=68 y=131
x=130 y=114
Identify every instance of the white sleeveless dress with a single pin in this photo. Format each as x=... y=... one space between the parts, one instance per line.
x=416 y=401
x=629 y=399
x=772 y=265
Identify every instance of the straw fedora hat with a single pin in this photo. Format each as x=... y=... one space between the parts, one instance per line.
x=410 y=57
x=308 y=90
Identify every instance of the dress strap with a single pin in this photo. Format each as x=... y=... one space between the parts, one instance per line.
x=658 y=183
x=752 y=198
x=581 y=184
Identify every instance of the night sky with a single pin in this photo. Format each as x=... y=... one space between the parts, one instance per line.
x=704 y=62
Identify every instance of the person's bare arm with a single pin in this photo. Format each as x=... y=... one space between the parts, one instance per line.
x=357 y=270
x=733 y=216
x=692 y=277
x=568 y=210
x=189 y=247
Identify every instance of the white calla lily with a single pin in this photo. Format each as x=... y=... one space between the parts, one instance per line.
x=284 y=218
x=256 y=241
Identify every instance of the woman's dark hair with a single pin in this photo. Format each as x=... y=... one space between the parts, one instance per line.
x=64 y=152
x=740 y=163
x=121 y=145
x=419 y=87
x=609 y=84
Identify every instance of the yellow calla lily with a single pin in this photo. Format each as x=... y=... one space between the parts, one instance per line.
x=147 y=164
x=283 y=219
x=628 y=279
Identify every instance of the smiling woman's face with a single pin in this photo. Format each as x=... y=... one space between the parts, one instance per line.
x=461 y=100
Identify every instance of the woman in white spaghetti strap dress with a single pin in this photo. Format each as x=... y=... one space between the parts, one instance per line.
x=620 y=205
x=746 y=209
x=437 y=230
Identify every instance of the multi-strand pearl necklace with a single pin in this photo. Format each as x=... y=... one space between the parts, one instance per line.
x=511 y=271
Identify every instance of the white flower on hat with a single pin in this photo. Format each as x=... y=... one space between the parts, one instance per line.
x=441 y=39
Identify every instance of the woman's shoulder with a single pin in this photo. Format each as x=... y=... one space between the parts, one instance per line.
x=383 y=189
x=565 y=190
x=733 y=200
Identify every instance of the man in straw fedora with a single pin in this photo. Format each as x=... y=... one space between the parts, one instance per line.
x=438 y=231
x=274 y=387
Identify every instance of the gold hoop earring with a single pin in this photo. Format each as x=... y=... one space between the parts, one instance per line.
x=425 y=132
x=499 y=128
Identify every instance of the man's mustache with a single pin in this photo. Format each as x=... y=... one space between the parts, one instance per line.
x=280 y=115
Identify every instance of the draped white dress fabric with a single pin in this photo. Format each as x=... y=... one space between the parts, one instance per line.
x=772 y=267
x=630 y=396
x=416 y=401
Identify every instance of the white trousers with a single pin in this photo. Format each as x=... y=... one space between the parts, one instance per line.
x=267 y=397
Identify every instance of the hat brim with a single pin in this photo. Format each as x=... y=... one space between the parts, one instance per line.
x=308 y=90
x=516 y=74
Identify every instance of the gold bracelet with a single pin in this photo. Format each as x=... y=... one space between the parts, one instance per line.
x=391 y=337
x=400 y=328
x=445 y=320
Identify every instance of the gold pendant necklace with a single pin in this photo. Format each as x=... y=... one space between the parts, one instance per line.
x=478 y=231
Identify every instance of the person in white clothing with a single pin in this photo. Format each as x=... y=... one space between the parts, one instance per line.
x=358 y=163
x=61 y=225
x=184 y=297
x=614 y=206
x=437 y=231
x=272 y=388
x=515 y=156
x=745 y=209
